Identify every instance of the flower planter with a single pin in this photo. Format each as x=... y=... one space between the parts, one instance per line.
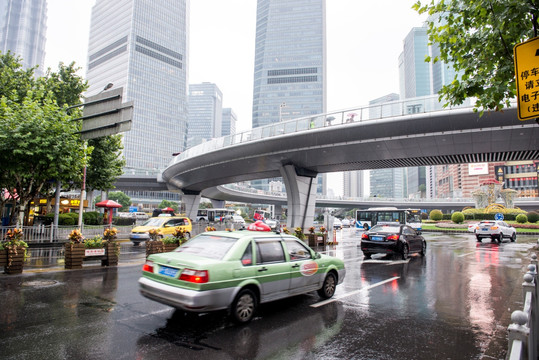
x=74 y=255
x=154 y=247
x=170 y=247
x=311 y=240
x=112 y=253
x=3 y=259
x=15 y=259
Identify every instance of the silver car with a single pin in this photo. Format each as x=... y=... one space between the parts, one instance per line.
x=495 y=230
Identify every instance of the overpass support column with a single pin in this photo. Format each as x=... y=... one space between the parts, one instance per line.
x=218 y=204
x=301 y=195
x=191 y=201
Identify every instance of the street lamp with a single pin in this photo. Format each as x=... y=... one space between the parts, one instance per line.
x=281 y=111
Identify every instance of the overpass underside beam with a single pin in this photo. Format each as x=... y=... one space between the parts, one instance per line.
x=301 y=195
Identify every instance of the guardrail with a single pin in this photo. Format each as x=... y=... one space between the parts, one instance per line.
x=42 y=234
x=524 y=329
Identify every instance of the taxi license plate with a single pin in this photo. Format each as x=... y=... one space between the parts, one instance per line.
x=167 y=271
x=377 y=238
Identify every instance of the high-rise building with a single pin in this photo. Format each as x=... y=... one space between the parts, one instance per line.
x=290 y=65
x=141 y=46
x=23 y=27
x=205 y=113
x=229 y=122
x=290 y=60
x=388 y=183
x=413 y=69
x=353 y=184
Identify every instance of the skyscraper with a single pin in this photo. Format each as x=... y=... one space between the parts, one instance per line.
x=229 y=122
x=205 y=113
x=23 y=27
x=290 y=64
x=290 y=60
x=141 y=45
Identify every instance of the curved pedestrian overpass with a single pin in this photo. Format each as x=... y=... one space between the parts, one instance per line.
x=414 y=132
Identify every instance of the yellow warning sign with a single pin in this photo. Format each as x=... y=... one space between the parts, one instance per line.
x=527 y=78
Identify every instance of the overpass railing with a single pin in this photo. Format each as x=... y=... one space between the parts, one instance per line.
x=524 y=329
x=425 y=104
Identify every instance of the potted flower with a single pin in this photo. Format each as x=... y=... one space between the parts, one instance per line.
x=311 y=237
x=177 y=239
x=74 y=250
x=286 y=231
x=210 y=228
x=322 y=236
x=155 y=245
x=298 y=232
x=15 y=251
x=112 y=248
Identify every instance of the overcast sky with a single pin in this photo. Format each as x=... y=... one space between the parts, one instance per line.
x=364 y=40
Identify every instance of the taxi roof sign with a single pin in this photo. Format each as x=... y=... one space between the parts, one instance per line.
x=527 y=78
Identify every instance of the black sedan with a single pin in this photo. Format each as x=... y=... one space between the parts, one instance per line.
x=396 y=240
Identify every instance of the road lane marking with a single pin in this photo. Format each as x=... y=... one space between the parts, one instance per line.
x=325 y=302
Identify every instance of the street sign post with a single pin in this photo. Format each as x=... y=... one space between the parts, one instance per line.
x=104 y=114
x=527 y=78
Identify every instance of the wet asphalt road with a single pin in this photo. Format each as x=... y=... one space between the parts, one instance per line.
x=454 y=303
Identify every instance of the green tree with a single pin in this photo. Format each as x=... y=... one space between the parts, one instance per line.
x=119 y=197
x=478 y=38
x=39 y=142
x=170 y=204
x=106 y=162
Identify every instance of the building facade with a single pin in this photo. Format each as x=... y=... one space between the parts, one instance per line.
x=290 y=60
x=461 y=180
x=290 y=65
x=388 y=183
x=23 y=31
x=205 y=113
x=229 y=122
x=353 y=182
x=141 y=46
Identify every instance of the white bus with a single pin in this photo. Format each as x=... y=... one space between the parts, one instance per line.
x=214 y=214
x=390 y=215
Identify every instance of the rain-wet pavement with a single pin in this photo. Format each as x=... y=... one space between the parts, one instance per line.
x=454 y=303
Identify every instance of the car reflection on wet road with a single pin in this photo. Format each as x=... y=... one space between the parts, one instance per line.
x=453 y=303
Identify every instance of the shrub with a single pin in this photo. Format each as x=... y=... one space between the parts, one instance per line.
x=436 y=215
x=424 y=216
x=533 y=217
x=91 y=218
x=457 y=217
x=66 y=219
x=522 y=219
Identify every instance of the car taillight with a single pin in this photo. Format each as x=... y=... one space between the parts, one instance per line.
x=148 y=266
x=493 y=228
x=364 y=236
x=195 y=276
x=393 y=237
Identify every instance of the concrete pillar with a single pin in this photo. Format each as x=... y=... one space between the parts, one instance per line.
x=278 y=212
x=191 y=201
x=218 y=204
x=301 y=195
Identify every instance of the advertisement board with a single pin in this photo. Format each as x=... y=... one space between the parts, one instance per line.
x=478 y=169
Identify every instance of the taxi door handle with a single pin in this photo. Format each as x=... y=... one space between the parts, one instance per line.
x=263 y=269
x=295 y=266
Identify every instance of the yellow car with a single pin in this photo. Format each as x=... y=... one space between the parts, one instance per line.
x=165 y=225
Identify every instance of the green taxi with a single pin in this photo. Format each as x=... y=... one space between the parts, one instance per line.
x=238 y=270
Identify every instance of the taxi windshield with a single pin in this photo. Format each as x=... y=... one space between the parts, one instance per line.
x=209 y=246
x=154 y=222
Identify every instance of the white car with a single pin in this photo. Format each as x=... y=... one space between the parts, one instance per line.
x=472 y=226
x=345 y=223
x=495 y=230
x=337 y=224
x=238 y=220
x=272 y=223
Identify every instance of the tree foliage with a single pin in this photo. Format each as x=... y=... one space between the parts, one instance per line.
x=477 y=37
x=40 y=143
x=167 y=203
x=119 y=197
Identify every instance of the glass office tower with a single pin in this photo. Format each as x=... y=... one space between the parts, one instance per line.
x=141 y=45
x=205 y=113
x=290 y=60
x=23 y=28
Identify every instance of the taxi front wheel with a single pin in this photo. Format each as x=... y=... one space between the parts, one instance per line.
x=328 y=288
x=244 y=306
